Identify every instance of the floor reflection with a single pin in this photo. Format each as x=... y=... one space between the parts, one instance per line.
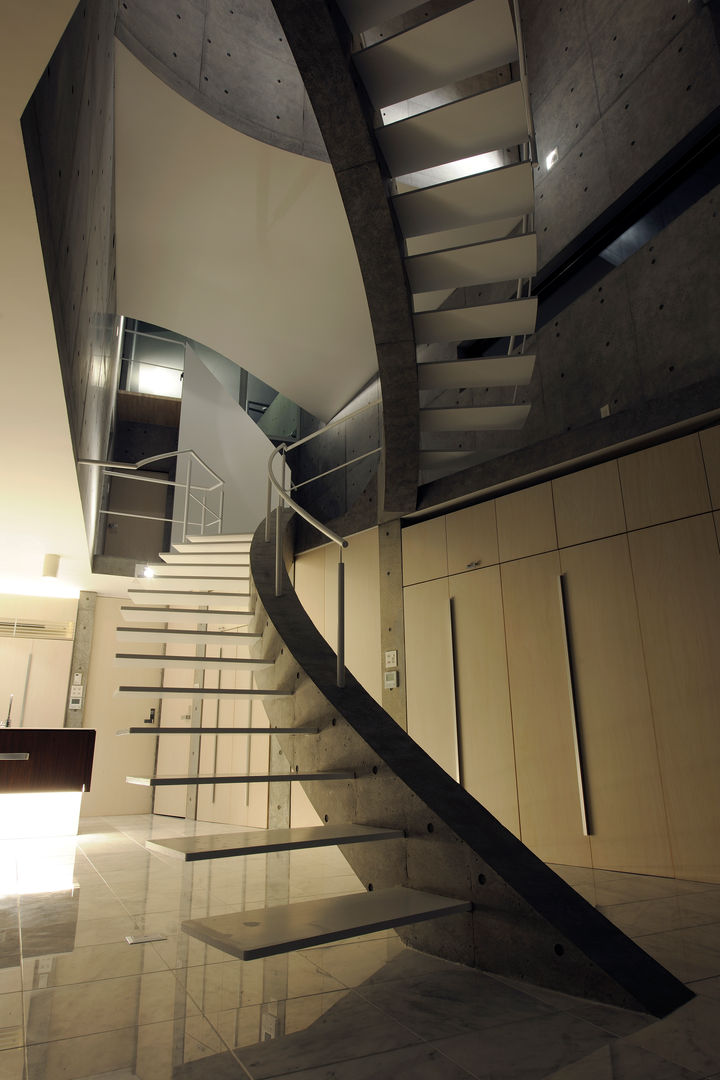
x=77 y=1001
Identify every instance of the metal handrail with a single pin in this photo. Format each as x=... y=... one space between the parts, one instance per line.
x=130 y=471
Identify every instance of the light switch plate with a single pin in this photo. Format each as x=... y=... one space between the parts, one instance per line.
x=390 y=658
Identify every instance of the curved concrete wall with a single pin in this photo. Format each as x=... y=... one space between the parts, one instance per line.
x=237 y=244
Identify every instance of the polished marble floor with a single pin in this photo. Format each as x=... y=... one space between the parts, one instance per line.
x=78 y=1001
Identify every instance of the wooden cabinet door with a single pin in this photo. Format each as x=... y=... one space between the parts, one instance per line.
x=677 y=576
x=429 y=671
x=548 y=795
x=626 y=812
x=487 y=755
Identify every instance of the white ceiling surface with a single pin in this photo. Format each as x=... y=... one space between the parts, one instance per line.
x=41 y=511
x=237 y=244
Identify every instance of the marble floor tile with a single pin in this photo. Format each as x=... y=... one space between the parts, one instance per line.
x=691 y=953
x=220 y=987
x=707 y=987
x=89 y=963
x=160 y=1051
x=12 y=1064
x=618 y=1061
x=527 y=1050
x=451 y=1002
x=611 y=1019
x=409 y=1063
x=103 y=931
x=689 y=1037
x=345 y=1030
x=89 y=1008
x=12 y=1031
x=659 y=916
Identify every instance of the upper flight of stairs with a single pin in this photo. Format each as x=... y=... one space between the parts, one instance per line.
x=435 y=865
x=445 y=81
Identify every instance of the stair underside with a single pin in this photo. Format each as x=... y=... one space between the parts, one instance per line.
x=197 y=663
x=474 y=264
x=482 y=418
x=149 y=729
x=237 y=778
x=471 y=323
x=159 y=614
x=475 y=37
x=500 y=193
x=214 y=545
x=198 y=568
x=494 y=120
x=252 y=934
x=478 y=373
x=208 y=583
x=227 y=845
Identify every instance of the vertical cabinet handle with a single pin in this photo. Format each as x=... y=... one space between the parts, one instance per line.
x=574 y=711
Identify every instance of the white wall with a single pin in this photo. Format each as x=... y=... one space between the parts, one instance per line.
x=116 y=756
x=213 y=424
x=237 y=244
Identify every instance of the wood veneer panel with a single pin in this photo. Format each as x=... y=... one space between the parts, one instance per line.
x=424 y=551
x=526 y=522
x=625 y=798
x=60 y=759
x=483 y=697
x=710 y=446
x=664 y=483
x=471 y=537
x=588 y=504
x=677 y=575
x=550 y=819
x=429 y=671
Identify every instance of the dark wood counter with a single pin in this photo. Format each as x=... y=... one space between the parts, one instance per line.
x=59 y=759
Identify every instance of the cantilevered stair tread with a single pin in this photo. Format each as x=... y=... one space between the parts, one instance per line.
x=197 y=581
x=159 y=614
x=208 y=693
x=260 y=932
x=475 y=418
x=221 y=538
x=238 y=778
x=506 y=192
x=479 y=372
x=467 y=40
x=188 y=596
x=197 y=663
x=474 y=264
x=148 y=729
x=187 y=637
x=493 y=120
x=198 y=568
x=216 y=545
x=482 y=321
x=202 y=557
x=226 y=845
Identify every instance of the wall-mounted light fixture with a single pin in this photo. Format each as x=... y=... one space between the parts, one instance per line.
x=51 y=564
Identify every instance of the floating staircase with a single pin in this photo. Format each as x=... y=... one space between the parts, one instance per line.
x=435 y=865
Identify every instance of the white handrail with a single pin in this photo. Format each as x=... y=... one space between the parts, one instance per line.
x=130 y=471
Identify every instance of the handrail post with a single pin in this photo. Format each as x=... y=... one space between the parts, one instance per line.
x=268 y=510
x=341 y=620
x=202 y=516
x=221 y=509
x=278 y=539
x=187 y=500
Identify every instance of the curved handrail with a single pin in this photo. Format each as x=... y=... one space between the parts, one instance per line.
x=120 y=468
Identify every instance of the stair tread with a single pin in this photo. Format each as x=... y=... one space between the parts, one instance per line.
x=268 y=931
x=225 y=845
x=158 y=634
x=237 y=778
x=221 y=538
x=481 y=321
x=139 y=611
x=454 y=204
x=198 y=691
x=166 y=660
x=208 y=558
x=198 y=569
x=475 y=37
x=482 y=371
x=186 y=596
x=493 y=120
x=474 y=264
x=148 y=729
x=474 y=418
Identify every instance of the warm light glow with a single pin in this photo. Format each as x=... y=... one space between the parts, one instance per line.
x=39 y=814
x=552 y=158
x=157 y=380
x=22 y=586
x=148 y=572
